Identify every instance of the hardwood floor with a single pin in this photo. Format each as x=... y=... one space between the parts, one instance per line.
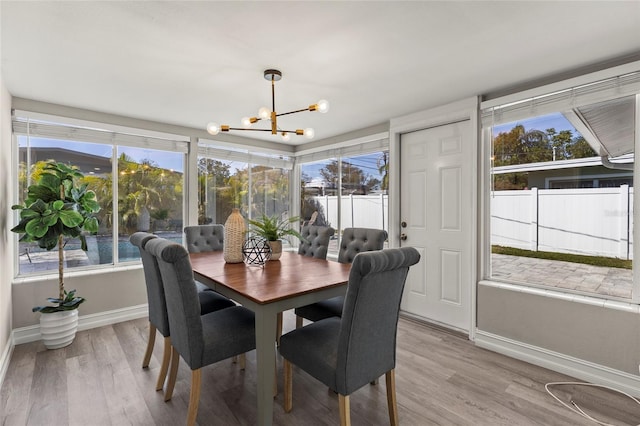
x=441 y=379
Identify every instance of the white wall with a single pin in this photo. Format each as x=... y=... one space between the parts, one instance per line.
x=6 y=249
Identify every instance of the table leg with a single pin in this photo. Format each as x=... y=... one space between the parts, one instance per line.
x=266 y=361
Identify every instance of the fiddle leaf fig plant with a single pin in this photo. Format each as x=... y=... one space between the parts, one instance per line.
x=57 y=206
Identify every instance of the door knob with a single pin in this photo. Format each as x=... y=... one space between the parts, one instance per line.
x=403 y=237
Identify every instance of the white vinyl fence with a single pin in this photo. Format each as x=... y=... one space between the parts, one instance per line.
x=362 y=211
x=589 y=221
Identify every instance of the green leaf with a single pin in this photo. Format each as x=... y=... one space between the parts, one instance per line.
x=37 y=227
x=29 y=214
x=41 y=192
x=50 y=181
x=71 y=218
x=39 y=206
x=91 y=225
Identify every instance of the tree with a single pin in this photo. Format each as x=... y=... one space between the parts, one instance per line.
x=144 y=187
x=354 y=179
x=270 y=191
x=383 y=169
x=519 y=146
x=580 y=148
x=212 y=177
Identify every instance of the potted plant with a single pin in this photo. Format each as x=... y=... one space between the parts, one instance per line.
x=273 y=229
x=56 y=207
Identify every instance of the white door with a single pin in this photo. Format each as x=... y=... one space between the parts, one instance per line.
x=436 y=218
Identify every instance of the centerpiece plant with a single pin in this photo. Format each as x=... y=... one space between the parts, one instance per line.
x=58 y=206
x=273 y=229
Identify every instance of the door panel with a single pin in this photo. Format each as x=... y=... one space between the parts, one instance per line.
x=436 y=198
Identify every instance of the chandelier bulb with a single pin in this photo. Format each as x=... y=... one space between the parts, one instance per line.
x=213 y=128
x=323 y=106
x=246 y=122
x=264 y=113
x=309 y=133
x=286 y=136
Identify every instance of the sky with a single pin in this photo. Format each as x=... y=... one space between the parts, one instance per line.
x=542 y=122
x=164 y=159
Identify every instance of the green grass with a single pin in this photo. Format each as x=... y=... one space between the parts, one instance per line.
x=565 y=257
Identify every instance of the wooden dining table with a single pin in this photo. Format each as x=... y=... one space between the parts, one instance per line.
x=288 y=283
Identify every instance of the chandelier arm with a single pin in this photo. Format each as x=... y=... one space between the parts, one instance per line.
x=293 y=112
x=250 y=130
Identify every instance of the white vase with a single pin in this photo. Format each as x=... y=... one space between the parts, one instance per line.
x=58 y=329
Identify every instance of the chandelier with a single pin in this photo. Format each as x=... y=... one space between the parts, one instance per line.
x=265 y=113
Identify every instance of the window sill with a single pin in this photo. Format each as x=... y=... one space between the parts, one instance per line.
x=630 y=307
x=53 y=275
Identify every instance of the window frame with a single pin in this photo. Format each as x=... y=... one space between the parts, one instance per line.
x=377 y=143
x=46 y=126
x=608 y=91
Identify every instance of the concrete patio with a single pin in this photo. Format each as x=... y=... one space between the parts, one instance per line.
x=597 y=280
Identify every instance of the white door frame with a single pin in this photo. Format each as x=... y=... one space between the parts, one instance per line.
x=467 y=109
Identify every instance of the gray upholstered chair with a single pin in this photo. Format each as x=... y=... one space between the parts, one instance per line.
x=200 y=340
x=348 y=352
x=354 y=241
x=209 y=301
x=204 y=238
x=315 y=241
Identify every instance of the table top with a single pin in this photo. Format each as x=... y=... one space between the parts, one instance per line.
x=291 y=276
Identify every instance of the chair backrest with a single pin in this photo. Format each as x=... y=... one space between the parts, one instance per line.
x=153 y=281
x=204 y=238
x=183 y=306
x=315 y=241
x=358 y=240
x=368 y=328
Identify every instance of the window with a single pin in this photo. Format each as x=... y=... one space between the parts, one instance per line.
x=561 y=189
x=346 y=191
x=149 y=182
x=232 y=178
x=222 y=186
x=150 y=196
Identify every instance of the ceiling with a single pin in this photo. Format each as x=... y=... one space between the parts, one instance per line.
x=189 y=63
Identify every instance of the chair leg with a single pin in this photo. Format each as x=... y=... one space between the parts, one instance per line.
x=150 y=342
x=242 y=358
x=278 y=328
x=275 y=379
x=391 y=397
x=288 y=386
x=166 y=357
x=299 y=321
x=345 y=410
x=173 y=372
x=194 y=396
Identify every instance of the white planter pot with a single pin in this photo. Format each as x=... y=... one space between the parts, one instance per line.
x=58 y=329
x=276 y=249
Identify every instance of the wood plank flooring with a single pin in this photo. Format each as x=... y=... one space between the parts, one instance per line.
x=441 y=379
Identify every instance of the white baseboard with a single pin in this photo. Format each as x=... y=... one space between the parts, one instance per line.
x=574 y=367
x=4 y=360
x=85 y=322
